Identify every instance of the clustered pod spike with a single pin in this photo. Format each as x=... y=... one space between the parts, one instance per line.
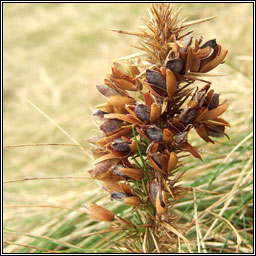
x=146 y=98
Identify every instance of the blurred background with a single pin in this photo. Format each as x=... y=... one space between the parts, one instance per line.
x=54 y=55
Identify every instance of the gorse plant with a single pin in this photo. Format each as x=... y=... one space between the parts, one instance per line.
x=152 y=105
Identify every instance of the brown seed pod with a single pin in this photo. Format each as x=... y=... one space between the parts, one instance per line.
x=110 y=126
x=172 y=163
x=99 y=213
x=143 y=112
x=107 y=91
x=127 y=173
x=157 y=196
x=212 y=43
x=155 y=78
x=126 y=198
x=180 y=139
x=101 y=169
x=188 y=116
x=154 y=133
x=161 y=200
x=119 y=148
x=176 y=65
x=158 y=161
x=214 y=101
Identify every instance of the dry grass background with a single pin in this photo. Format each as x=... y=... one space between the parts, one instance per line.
x=54 y=55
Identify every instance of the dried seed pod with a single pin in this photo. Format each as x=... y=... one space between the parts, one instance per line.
x=172 y=163
x=128 y=173
x=167 y=136
x=214 y=63
x=216 y=112
x=110 y=185
x=99 y=213
x=161 y=202
x=132 y=201
x=119 y=175
x=142 y=112
x=110 y=126
x=180 y=138
x=159 y=162
x=126 y=198
x=176 y=65
x=188 y=116
x=98 y=152
x=153 y=189
x=148 y=98
x=107 y=91
x=212 y=43
x=157 y=196
x=193 y=151
x=185 y=42
x=203 y=53
x=98 y=116
x=119 y=148
x=155 y=113
x=214 y=101
x=202 y=132
x=155 y=78
x=170 y=83
x=215 y=131
x=154 y=133
x=100 y=170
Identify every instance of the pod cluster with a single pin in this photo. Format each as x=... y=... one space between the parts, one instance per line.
x=151 y=106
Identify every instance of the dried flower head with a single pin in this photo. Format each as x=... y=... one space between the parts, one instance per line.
x=150 y=109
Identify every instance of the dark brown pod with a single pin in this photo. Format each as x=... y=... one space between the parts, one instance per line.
x=120 y=148
x=214 y=101
x=180 y=138
x=154 y=133
x=111 y=125
x=157 y=157
x=212 y=43
x=188 y=116
x=101 y=169
x=176 y=65
x=153 y=189
x=142 y=112
x=154 y=77
x=215 y=131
